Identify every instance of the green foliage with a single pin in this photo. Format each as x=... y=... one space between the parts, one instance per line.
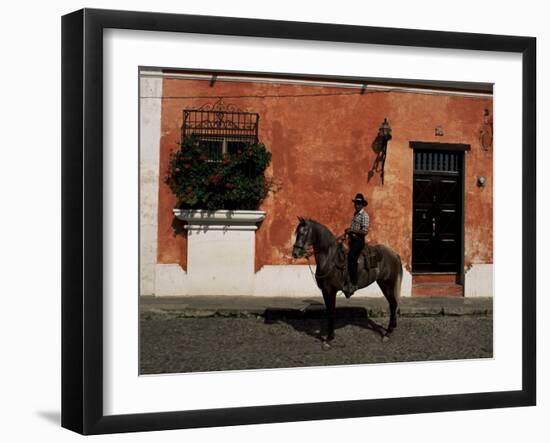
x=236 y=181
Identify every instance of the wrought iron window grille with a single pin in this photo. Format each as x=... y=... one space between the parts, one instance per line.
x=437 y=162
x=221 y=128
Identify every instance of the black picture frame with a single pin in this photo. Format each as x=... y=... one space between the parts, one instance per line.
x=82 y=218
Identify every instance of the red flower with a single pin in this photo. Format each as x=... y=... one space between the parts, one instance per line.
x=215 y=179
x=229 y=185
x=187 y=166
x=189 y=188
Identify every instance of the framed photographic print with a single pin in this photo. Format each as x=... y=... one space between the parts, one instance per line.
x=260 y=215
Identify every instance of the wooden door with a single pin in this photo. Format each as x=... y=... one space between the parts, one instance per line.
x=437 y=211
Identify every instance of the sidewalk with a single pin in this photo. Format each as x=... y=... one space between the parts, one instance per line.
x=250 y=306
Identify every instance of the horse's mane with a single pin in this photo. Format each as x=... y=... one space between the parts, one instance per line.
x=326 y=238
x=321 y=225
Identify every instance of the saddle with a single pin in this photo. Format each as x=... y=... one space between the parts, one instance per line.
x=368 y=259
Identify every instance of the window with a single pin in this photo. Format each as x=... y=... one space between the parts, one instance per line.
x=221 y=129
x=433 y=161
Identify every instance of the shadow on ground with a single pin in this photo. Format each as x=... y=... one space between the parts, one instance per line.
x=312 y=320
x=53 y=417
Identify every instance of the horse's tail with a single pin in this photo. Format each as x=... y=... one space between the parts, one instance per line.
x=395 y=268
x=399 y=280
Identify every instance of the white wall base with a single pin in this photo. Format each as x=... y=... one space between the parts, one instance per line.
x=478 y=281
x=406 y=284
x=286 y=281
x=221 y=262
x=270 y=281
x=220 y=254
x=171 y=280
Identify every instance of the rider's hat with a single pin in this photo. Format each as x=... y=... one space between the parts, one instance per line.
x=360 y=199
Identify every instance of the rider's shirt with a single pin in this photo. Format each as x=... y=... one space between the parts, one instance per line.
x=360 y=221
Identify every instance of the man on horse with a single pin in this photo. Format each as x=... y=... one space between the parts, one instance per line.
x=356 y=234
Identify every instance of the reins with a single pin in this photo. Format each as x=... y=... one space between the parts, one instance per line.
x=330 y=256
x=314 y=274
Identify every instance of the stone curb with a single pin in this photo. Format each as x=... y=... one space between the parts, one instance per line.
x=272 y=308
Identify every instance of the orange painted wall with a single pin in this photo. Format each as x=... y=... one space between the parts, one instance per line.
x=321 y=140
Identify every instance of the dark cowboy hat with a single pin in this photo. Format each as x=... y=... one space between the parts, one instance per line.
x=360 y=199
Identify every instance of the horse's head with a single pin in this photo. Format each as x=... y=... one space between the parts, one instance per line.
x=303 y=238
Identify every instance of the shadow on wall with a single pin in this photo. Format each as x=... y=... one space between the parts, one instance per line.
x=179 y=227
x=378 y=164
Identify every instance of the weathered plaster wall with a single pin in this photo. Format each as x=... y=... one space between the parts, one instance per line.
x=150 y=90
x=321 y=140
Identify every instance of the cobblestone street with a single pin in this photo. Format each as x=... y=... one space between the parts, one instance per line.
x=171 y=344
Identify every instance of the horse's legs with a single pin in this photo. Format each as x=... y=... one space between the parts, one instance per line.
x=388 y=289
x=330 y=304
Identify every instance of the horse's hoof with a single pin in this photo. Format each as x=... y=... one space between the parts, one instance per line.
x=326 y=346
x=385 y=338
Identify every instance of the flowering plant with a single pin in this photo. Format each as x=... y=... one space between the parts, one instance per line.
x=236 y=181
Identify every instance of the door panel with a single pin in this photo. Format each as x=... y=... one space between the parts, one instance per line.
x=437 y=212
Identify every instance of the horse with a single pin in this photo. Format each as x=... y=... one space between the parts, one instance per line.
x=331 y=273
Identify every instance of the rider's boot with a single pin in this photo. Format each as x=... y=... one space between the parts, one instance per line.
x=349 y=289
